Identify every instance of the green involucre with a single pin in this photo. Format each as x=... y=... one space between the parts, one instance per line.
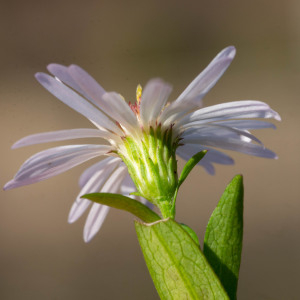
x=224 y=235
x=152 y=166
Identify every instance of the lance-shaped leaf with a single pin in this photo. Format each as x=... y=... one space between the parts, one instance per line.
x=191 y=163
x=191 y=232
x=224 y=235
x=177 y=266
x=124 y=203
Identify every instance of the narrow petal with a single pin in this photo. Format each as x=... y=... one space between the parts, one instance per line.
x=87 y=84
x=212 y=155
x=198 y=88
x=98 y=212
x=62 y=135
x=72 y=99
x=93 y=185
x=112 y=105
x=51 y=162
x=246 y=124
x=215 y=130
x=229 y=110
x=94 y=221
x=233 y=144
x=154 y=98
x=117 y=108
x=62 y=73
x=128 y=186
x=88 y=173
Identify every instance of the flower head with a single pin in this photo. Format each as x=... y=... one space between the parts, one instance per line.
x=144 y=137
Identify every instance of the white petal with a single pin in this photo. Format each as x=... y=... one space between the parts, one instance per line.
x=88 y=173
x=87 y=84
x=93 y=185
x=112 y=105
x=54 y=161
x=233 y=144
x=215 y=130
x=154 y=98
x=246 y=124
x=128 y=186
x=212 y=155
x=62 y=73
x=98 y=212
x=229 y=110
x=198 y=88
x=115 y=106
x=61 y=135
x=72 y=99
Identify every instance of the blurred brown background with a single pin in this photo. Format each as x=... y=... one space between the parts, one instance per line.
x=123 y=43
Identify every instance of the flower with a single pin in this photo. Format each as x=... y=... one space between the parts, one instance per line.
x=143 y=137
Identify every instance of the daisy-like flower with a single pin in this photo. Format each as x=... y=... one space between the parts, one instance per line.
x=143 y=137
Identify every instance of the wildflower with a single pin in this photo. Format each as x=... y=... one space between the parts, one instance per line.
x=143 y=137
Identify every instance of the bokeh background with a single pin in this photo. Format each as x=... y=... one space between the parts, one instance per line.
x=123 y=43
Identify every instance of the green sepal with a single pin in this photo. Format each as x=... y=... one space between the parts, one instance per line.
x=176 y=264
x=224 y=236
x=191 y=163
x=191 y=232
x=124 y=203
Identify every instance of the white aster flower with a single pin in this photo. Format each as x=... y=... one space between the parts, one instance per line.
x=144 y=137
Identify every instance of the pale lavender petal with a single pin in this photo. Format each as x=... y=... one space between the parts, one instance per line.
x=233 y=144
x=127 y=186
x=154 y=98
x=229 y=110
x=212 y=155
x=87 y=84
x=88 y=173
x=93 y=185
x=191 y=97
x=54 y=161
x=98 y=212
x=208 y=167
x=62 y=135
x=72 y=99
x=214 y=130
x=111 y=103
x=62 y=73
x=115 y=106
x=246 y=124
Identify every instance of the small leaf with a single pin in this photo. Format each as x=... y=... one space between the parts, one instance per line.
x=191 y=163
x=177 y=266
x=224 y=236
x=124 y=203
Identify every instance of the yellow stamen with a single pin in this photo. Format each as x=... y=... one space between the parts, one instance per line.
x=138 y=93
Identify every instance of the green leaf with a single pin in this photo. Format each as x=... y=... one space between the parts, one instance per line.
x=191 y=232
x=191 y=163
x=177 y=266
x=224 y=236
x=124 y=203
